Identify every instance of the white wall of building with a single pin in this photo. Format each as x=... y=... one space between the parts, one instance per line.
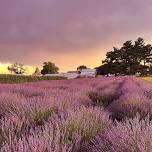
x=71 y=75
x=88 y=73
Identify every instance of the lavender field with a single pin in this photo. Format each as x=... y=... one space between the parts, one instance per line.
x=82 y=115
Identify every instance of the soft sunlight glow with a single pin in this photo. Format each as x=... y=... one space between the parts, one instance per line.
x=3 y=69
x=30 y=70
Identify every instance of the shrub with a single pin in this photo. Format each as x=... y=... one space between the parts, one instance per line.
x=8 y=78
x=131 y=136
x=46 y=139
x=100 y=98
x=66 y=131
x=85 y=122
x=39 y=116
x=61 y=116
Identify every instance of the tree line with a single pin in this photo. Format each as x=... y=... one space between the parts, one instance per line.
x=130 y=59
x=48 y=68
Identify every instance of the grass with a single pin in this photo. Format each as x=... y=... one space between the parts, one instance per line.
x=148 y=79
x=8 y=78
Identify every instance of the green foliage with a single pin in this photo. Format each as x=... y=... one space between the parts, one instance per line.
x=81 y=67
x=100 y=99
x=49 y=68
x=84 y=123
x=39 y=116
x=37 y=72
x=8 y=78
x=17 y=68
x=129 y=59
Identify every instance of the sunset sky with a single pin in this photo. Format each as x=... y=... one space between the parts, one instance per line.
x=69 y=32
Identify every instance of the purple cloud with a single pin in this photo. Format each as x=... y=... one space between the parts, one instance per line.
x=36 y=28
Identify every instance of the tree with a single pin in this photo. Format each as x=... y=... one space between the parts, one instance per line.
x=17 y=68
x=129 y=59
x=37 y=71
x=49 y=68
x=81 y=67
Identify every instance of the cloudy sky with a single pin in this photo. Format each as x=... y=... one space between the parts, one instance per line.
x=69 y=32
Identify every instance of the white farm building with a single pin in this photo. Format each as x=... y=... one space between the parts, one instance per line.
x=71 y=74
x=88 y=73
x=84 y=73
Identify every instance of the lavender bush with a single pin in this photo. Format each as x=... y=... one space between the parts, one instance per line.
x=73 y=115
x=133 y=135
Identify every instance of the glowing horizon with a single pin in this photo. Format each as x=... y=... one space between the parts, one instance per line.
x=4 y=70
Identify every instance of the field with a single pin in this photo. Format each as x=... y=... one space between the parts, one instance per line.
x=82 y=115
x=8 y=78
x=148 y=79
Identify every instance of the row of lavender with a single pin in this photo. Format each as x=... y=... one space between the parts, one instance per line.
x=76 y=116
x=132 y=127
